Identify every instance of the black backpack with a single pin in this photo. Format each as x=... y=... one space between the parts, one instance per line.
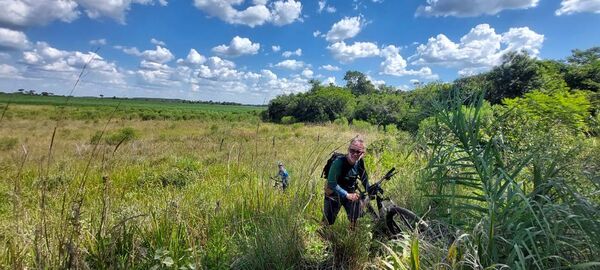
x=333 y=157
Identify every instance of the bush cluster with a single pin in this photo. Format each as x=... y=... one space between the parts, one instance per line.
x=558 y=88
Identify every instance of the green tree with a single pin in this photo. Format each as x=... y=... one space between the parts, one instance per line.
x=551 y=78
x=325 y=104
x=320 y=104
x=386 y=89
x=471 y=86
x=563 y=108
x=281 y=106
x=579 y=57
x=583 y=70
x=422 y=102
x=314 y=84
x=381 y=109
x=517 y=75
x=358 y=83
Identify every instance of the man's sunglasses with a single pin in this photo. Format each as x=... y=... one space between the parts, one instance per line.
x=354 y=151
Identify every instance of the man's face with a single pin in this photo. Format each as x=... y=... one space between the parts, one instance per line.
x=355 y=152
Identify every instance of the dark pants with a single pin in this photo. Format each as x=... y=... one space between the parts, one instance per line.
x=284 y=182
x=332 y=205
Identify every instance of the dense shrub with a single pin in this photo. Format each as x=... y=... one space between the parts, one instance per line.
x=571 y=110
x=517 y=75
x=362 y=125
x=122 y=136
x=288 y=119
x=510 y=198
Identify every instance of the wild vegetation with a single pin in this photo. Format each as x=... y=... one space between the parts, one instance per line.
x=513 y=184
x=516 y=76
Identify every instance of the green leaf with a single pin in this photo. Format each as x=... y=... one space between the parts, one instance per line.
x=415 y=263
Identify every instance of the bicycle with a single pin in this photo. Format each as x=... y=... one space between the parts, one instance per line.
x=395 y=218
x=278 y=183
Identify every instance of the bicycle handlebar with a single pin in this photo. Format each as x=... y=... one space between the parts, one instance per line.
x=387 y=176
x=374 y=188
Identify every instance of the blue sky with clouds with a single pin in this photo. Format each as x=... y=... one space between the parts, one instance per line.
x=250 y=51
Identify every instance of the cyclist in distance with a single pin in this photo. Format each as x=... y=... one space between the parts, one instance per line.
x=284 y=175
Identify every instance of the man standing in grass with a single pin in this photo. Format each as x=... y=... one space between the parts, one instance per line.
x=342 y=183
x=283 y=174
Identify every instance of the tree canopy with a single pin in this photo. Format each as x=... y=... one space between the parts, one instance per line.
x=546 y=89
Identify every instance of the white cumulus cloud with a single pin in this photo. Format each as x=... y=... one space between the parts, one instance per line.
x=478 y=50
x=307 y=73
x=286 y=12
x=281 y=12
x=394 y=64
x=224 y=10
x=290 y=64
x=157 y=42
x=330 y=68
x=329 y=80
x=252 y=16
x=238 y=46
x=11 y=39
x=471 y=8
x=219 y=75
x=297 y=52
x=348 y=53
x=128 y=50
x=568 y=7
x=117 y=10
x=160 y=55
x=205 y=77
x=193 y=58
x=44 y=61
x=375 y=82
x=8 y=71
x=25 y=13
x=347 y=27
x=323 y=6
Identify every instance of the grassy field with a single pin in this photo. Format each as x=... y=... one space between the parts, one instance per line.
x=188 y=194
x=92 y=108
x=111 y=189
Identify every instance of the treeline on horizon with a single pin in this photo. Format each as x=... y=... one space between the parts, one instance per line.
x=32 y=93
x=544 y=88
x=95 y=108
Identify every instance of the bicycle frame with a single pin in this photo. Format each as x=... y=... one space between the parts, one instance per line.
x=387 y=211
x=376 y=192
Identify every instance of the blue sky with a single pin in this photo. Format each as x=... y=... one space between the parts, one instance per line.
x=250 y=51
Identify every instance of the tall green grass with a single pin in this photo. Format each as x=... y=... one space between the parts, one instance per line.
x=196 y=194
x=519 y=208
x=175 y=195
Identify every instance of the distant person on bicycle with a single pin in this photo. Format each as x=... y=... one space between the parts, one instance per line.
x=342 y=183
x=284 y=175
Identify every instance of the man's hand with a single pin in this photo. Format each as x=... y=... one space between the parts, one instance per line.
x=352 y=197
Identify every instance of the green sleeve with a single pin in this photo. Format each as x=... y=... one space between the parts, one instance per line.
x=334 y=173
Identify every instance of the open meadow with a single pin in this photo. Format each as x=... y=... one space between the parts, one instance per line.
x=117 y=190
x=228 y=134
x=127 y=193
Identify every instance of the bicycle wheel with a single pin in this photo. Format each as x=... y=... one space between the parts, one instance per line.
x=399 y=220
